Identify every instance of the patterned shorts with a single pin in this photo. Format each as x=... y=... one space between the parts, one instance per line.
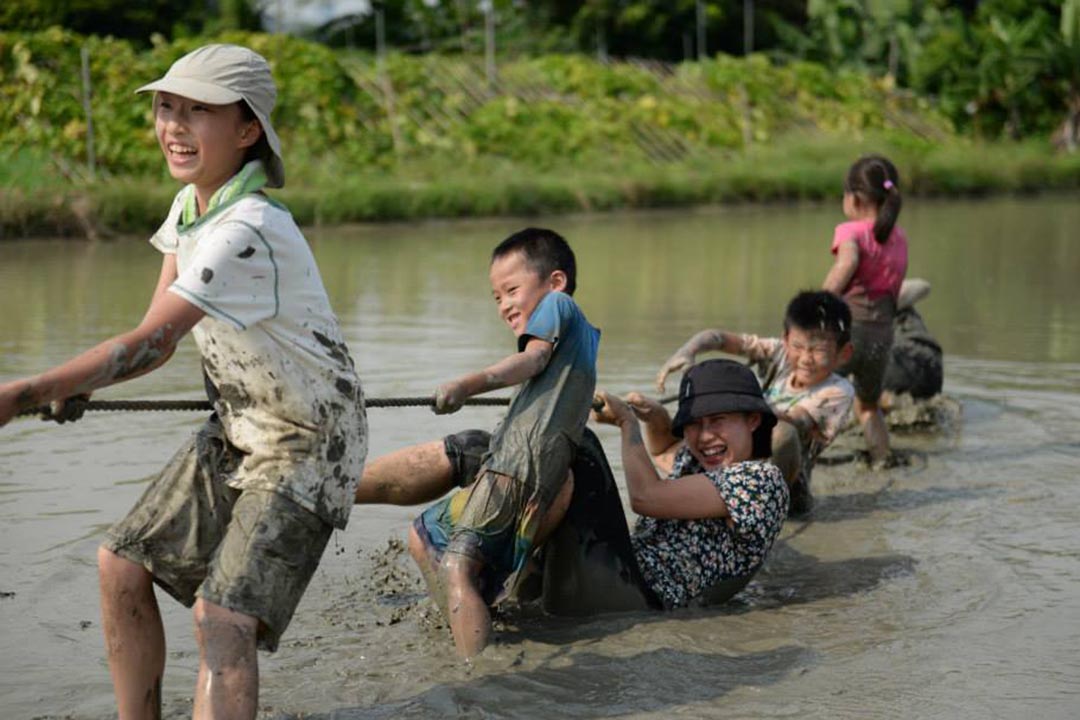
x=251 y=551
x=493 y=519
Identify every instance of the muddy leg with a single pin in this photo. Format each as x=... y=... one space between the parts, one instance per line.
x=874 y=430
x=787 y=451
x=134 y=636
x=470 y=619
x=228 y=683
x=424 y=558
x=410 y=476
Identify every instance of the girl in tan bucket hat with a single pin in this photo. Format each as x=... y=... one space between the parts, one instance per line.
x=235 y=524
x=226 y=75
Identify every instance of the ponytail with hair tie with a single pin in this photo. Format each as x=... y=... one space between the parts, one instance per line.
x=874 y=178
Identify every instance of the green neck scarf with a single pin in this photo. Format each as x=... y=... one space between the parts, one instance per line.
x=250 y=179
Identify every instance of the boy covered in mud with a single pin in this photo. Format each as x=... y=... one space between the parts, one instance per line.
x=798 y=379
x=474 y=544
x=237 y=521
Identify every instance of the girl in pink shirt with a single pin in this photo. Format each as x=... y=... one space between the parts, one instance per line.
x=871 y=260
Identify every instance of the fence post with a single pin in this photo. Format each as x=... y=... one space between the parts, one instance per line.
x=91 y=159
x=702 y=51
x=748 y=27
x=489 y=41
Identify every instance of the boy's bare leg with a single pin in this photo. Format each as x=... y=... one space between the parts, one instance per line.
x=424 y=558
x=134 y=636
x=469 y=617
x=228 y=684
x=787 y=451
x=410 y=476
x=874 y=430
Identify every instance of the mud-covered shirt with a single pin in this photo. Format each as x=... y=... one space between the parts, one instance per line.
x=681 y=559
x=828 y=403
x=548 y=413
x=290 y=398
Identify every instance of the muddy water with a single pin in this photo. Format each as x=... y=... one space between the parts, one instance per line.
x=949 y=588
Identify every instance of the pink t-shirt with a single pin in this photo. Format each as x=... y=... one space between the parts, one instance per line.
x=881 y=269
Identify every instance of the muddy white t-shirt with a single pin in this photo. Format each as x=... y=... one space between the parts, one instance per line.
x=290 y=398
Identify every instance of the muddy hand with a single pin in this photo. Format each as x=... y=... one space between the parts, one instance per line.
x=67 y=410
x=676 y=363
x=643 y=407
x=614 y=410
x=449 y=398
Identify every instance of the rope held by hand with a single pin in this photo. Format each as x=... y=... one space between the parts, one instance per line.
x=205 y=405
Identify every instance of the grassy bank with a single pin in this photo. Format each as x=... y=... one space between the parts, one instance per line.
x=431 y=136
x=794 y=168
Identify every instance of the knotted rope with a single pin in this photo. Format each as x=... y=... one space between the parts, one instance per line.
x=205 y=405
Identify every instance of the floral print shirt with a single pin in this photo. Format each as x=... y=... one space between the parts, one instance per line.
x=680 y=559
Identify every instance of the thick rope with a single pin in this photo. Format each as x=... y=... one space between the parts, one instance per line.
x=205 y=406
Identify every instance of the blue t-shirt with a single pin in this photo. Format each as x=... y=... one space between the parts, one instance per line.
x=549 y=411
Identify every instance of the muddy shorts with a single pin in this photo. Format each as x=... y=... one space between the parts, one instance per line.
x=872 y=342
x=466 y=451
x=251 y=551
x=493 y=519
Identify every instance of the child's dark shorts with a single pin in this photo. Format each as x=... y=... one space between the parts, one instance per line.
x=250 y=551
x=872 y=342
x=466 y=451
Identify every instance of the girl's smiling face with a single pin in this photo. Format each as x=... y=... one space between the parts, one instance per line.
x=204 y=144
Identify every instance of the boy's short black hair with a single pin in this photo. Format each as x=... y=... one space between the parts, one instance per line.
x=819 y=311
x=545 y=251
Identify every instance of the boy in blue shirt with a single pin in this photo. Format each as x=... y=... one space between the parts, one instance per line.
x=475 y=543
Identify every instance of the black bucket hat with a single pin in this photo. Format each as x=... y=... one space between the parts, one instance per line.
x=719 y=386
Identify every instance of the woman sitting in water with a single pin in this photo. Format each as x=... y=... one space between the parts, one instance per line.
x=704 y=530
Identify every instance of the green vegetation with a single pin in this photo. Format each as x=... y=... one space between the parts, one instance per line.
x=430 y=135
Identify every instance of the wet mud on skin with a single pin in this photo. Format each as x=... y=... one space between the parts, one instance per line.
x=946 y=587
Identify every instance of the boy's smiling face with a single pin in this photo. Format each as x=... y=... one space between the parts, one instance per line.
x=518 y=288
x=813 y=355
x=204 y=144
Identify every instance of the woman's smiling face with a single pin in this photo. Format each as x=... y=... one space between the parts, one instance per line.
x=722 y=439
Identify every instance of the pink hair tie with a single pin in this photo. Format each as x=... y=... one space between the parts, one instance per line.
x=889 y=185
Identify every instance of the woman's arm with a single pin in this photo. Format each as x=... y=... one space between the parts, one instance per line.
x=843 y=268
x=687 y=498
x=659 y=442
x=120 y=358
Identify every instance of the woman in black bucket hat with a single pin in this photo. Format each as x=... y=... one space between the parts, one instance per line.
x=704 y=530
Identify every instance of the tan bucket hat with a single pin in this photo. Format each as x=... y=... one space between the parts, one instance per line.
x=224 y=74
